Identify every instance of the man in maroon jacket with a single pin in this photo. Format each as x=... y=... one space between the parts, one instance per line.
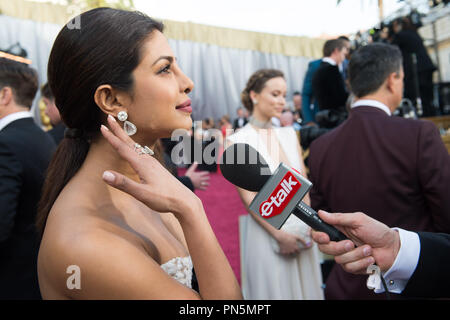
x=395 y=170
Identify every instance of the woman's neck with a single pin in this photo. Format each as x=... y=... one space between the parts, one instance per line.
x=102 y=156
x=90 y=188
x=259 y=120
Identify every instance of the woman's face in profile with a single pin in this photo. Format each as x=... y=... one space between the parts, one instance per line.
x=160 y=90
x=272 y=98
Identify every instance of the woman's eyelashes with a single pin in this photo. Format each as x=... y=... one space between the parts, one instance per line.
x=278 y=94
x=165 y=69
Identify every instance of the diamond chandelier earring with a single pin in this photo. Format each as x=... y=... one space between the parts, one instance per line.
x=128 y=127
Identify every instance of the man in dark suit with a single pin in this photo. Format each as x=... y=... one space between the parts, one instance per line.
x=413 y=264
x=343 y=68
x=410 y=43
x=57 y=132
x=327 y=82
x=241 y=120
x=309 y=106
x=395 y=170
x=25 y=151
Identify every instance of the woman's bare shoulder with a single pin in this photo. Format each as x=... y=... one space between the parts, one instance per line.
x=110 y=262
x=86 y=251
x=72 y=240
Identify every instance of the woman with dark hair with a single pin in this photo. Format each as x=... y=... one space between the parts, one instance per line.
x=277 y=264
x=115 y=223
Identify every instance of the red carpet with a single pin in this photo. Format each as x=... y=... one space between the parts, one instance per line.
x=223 y=207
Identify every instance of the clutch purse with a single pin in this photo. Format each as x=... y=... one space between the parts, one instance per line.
x=295 y=226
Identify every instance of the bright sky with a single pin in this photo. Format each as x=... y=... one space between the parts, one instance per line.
x=288 y=17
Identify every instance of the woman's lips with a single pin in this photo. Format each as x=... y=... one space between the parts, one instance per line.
x=185 y=107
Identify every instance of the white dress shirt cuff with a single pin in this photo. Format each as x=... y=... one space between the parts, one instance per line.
x=405 y=263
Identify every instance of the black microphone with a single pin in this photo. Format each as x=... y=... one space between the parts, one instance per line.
x=279 y=194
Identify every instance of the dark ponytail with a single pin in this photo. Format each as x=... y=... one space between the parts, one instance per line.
x=68 y=158
x=105 y=49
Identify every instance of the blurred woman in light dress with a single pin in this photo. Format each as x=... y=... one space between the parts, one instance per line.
x=277 y=264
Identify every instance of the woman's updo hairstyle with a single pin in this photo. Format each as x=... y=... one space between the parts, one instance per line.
x=105 y=48
x=256 y=83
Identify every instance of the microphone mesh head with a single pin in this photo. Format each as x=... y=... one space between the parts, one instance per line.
x=244 y=167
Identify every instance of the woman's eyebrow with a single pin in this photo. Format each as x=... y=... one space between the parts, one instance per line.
x=169 y=58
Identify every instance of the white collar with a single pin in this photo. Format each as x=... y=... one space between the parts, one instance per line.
x=13 y=117
x=372 y=103
x=330 y=61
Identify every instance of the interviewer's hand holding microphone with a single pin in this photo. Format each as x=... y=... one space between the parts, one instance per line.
x=374 y=240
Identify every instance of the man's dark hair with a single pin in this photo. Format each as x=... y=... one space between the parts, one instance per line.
x=297 y=93
x=331 y=45
x=344 y=38
x=370 y=66
x=46 y=92
x=22 y=80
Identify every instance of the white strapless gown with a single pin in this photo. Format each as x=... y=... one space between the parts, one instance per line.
x=180 y=269
x=265 y=274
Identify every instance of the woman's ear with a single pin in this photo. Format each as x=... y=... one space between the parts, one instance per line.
x=253 y=95
x=109 y=100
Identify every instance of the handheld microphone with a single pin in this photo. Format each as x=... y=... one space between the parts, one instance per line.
x=279 y=195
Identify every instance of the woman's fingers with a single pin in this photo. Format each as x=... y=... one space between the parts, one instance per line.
x=303 y=242
x=119 y=132
x=125 y=184
x=121 y=147
x=290 y=252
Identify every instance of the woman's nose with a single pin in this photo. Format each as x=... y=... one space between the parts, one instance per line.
x=186 y=83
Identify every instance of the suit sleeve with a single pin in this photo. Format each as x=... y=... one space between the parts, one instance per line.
x=307 y=95
x=431 y=277
x=235 y=123
x=187 y=182
x=338 y=85
x=317 y=199
x=434 y=174
x=10 y=186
